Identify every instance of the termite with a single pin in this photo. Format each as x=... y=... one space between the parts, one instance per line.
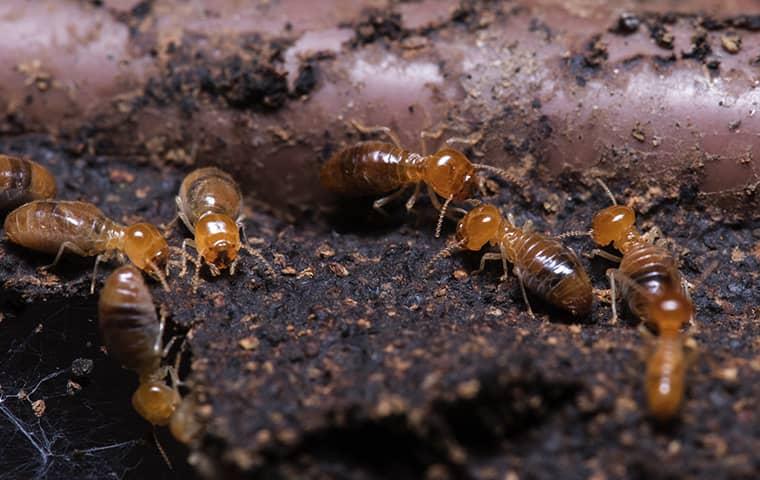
x=209 y=204
x=22 y=181
x=542 y=264
x=132 y=334
x=670 y=356
x=647 y=264
x=57 y=226
x=378 y=168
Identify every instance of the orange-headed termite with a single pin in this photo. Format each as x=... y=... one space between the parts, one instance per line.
x=55 y=226
x=542 y=264
x=209 y=203
x=132 y=333
x=378 y=168
x=670 y=356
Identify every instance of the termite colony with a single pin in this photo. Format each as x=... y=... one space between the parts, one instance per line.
x=209 y=203
x=648 y=274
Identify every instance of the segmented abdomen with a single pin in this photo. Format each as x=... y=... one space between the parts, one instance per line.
x=209 y=190
x=553 y=271
x=370 y=168
x=653 y=269
x=22 y=181
x=664 y=381
x=44 y=225
x=128 y=322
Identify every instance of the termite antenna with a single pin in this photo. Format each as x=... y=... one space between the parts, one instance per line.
x=574 y=233
x=444 y=207
x=161 y=450
x=166 y=228
x=705 y=274
x=156 y=272
x=607 y=189
x=501 y=173
x=258 y=256
x=445 y=252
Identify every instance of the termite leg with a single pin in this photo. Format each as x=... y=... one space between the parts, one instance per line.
x=413 y=199
x=424 y=135
x=601 y=253
x=518 y=273
x=613 y=298
x=64 y=246
x=381 y=202
x=486 y=258
x=98 y=259
x=469 y=140
x=181 y=214
x=378 y=129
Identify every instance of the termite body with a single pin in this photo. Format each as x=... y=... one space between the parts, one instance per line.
x=132 y=334
x=378 y=168
x=542 y=264
x=648 y=266
x=668 y=361
x=209 y=204
x=55 y=226
x=23 y=181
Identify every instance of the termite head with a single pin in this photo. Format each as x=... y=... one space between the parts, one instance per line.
x=217 y=239
x=155 y=402
x=480 y=226
x=146 y=247
x=612 y=225
x=184 y=425
x=670 y=310
x=450 y=174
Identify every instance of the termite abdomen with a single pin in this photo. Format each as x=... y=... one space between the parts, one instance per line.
x=665 y=377
x=22 y=181
x=370 y=168
x=128 y=321
x=553 y=272
x=652 y=268
x=45 y=225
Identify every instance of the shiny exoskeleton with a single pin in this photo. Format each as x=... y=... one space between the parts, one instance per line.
x=542 y=264
x=128 y=321
x=132 y=333
x=23 y=181
x=668 y=360
x=376 y=168
x=209 y=203
x=55 y=226
x=645 y=264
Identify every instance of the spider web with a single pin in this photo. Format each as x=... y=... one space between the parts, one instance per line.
x=57 y=425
